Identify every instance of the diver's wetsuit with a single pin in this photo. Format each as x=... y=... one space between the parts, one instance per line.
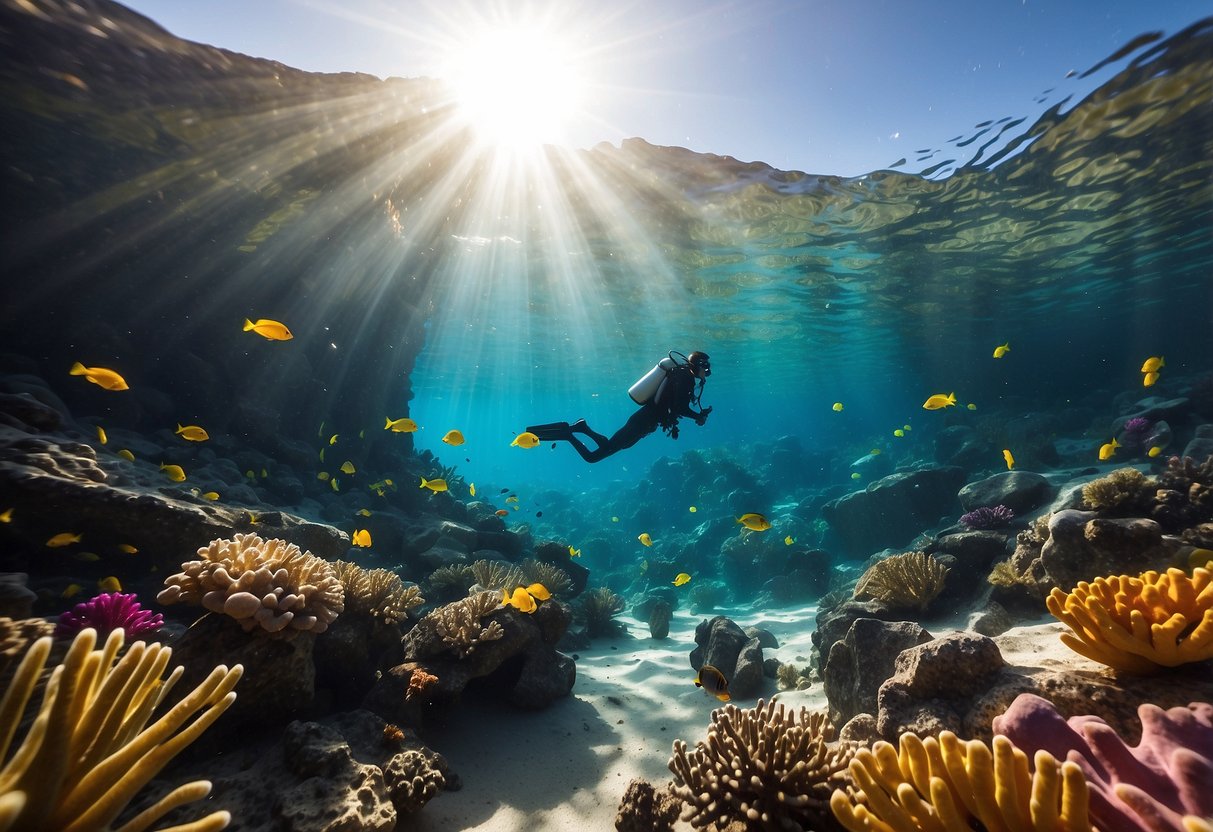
x=672 y=400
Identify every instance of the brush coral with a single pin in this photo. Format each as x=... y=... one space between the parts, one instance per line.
x=907 y=581
x=1139 y=625
x=107 y=612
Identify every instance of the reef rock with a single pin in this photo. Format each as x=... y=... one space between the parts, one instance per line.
x=959 y=445
x=893 y=510
x=1082 y=546
x=1201 y=446
x=644 y=808
x=725 y=646
x=1020 y=491
x=834 y=622
x=858 y=664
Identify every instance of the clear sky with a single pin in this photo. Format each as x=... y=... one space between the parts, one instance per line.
x=833 y=86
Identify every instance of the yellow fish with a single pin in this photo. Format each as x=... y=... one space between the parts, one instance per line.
x=1006 y=454
x=210 y=495
x=264 y=474
x=644 y=538
x=875 y=452
x=362 y=537
x=127 y=548
x=453 y=437
x=269 y=330
x=109 y=584
x=347 y=467
x=362 y=434
x=251 y=474
x=855 y=475
x=1149 y=379
x=520 y=600
x=323 y=476
x=320 y=430
x=837 y=407
x=539 y=592
x=472 y=489
x=100 y=376
x=511 y=499
x=1002 y=349
x=433 y=485
x=6 y=516
x=1153 y=364
x=614 y=519
x=253 y=518
x=63 y=539
x=754 y=522
x=389 y=482
x=905 y=427
x=713 y=682
x=971 y=406
x=365 y=512
x=1108 y=449
x=72 y=591
x=174 y=472
x=574 y=553
x=1155 y=451
x=939 y=400
x=405 y=425
x=333 y=439
x=192 y=433
x=788 y=541
x=101 y=435
x=681 y=578
x=87 y=557
x=333 y=484
x=692 y=509
x=322 y=454
x=526 y=439
x=899 y=433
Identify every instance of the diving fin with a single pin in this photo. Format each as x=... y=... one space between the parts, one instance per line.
x=552 y=431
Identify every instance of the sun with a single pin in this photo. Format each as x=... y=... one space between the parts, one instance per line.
x=518 y=86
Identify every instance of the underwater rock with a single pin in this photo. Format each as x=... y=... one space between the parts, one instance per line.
x=858 y=665
x=832 y=624
x=659 y=619
x=1020 y=491
x=725 y=646
x=1155 y=408
x=959 y=445
x=765 y=637
x=893 y=510
x=991 y=620
x=16 y=599
x=644 y=808
x=1201 y=445
x=1082 y=546
x=749 y=672
x=24 y=411
x=557 y=554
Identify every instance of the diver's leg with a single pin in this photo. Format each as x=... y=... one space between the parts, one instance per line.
x=581 y=427
x=601 y=452
x=637 y=427
x=550 y=431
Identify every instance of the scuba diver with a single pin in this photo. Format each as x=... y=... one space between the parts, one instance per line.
x=665 y=393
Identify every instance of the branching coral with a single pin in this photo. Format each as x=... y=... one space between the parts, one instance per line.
x=907 y=581
x=496 y=574
x=788 y=677
x=1003 y=574
x=1123 y=488
x=90 y=749
x=419 y=683
x=551 y=576
x=947 y=784
x=987 y=517
x=269 y=584
x=459 y=625
x=1139 y=625
x=768 y=767
x=377 y=593
x=107 y=612
x=449 y=582
x=599 y=608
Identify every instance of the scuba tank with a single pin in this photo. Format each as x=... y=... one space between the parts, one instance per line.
x=646 y=386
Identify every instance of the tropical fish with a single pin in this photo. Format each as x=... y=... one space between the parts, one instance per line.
x=127 y=548
x=788 y=541
x=875 y=452
x=101 y=435
x=269 y=330
x=1108 y=449
x=614 y=519
x=1002 y=349
x=361 y=537
x=971 y=406
x=644 y=538
x=1154 y=451
x=520 y=600
x=899 y=433
x=1153 y=364
x=192 y=433
x=513 y=498
x=333 y=439
x=754 y=522
x=472 y=489
x=100 y=376
x=837 y=408
x=453 y=437
x=906 y=428
x=6 y=516
x=713 y=682
x=939 y=400
x=644 y=566
x=501 y=512
x=253 y=518
x=403 y=425
x=63 y=539
x=856 y=475
x=71 y=591
x=265 y=474
x=347 y=467
x=539 y=514
x=692 y=509
x=251 y=474
x=87 y=557
x=210 y=495
x=539 y=592
x=574 y=553
x=526 y=439
x=109 y=584
x=322 y=454
x=362 y=434
x=388 y=482
x=433 y=485
x=504 y=491
x=1006 y=454
x=681 y=578
x=323 y=476
x=174 y=472
x=1149 y=379
x=365 y=512
x=333 y=484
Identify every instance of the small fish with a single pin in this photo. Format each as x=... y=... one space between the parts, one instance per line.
x=526 y=439
x=1006 y=454
x=210 y=495
x=906 y=428
x=513 y=498
x=265 y=475
x=347 y=467
x=100 y=376
x=87 y=557
x=574 y=553
x=404 y=425
x=1002 y=349
x=681 y=578
x=192 y=433
x=433 y=485
x=102 y=437
x=322 y=454
x=539 y=592
x=644 y=538
x=504 y=491
x=692 y=509
x=174 y=472
x=614 y=519
x=361 y=537
x=837 y=407
x=1154 y=451
x=323 y=476
x=501 y=512
x=127 y=548
x=472 y=489
x=333 y=439
x=365 y=512
x=63 y=539
x=539 y=514
x=253 y=518
x=72 y=591
x=939 y=400
x=713 y=682
x=267 y=329
x=390 y=483
x=788 y=541
x=899 y=433
x=521 y=600
x=453 y=437
x=855 y=475
x=6 y=516
x=754 y=522
x=1153 y=364
x=644 y=566
x=333 y=484
x=971 y=406
x=109 y=584
x=875 y=452
x=1149 y=379
x=320 y=431
x=362 y=434
x=1108 y=450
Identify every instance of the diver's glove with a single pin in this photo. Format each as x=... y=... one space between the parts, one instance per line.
x=702 y=416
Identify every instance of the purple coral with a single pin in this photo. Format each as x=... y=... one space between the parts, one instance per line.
x=987 y=517
x=107 y=612
x=1136 y=430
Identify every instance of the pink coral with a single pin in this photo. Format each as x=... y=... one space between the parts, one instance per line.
x=1149 y=787
x=107 y=612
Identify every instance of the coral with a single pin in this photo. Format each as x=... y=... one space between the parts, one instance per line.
x=907 y=581
x=419 y=683
x=1003 y=574
x=107 y=612
x=496 y=574
x=551 y=576
x=598 y=609
x=987 y=517
x=377 y=593
x=449 y=582
x=946 y=783
x=90 y=749
x=1149 y=787
x=413 y=778
x=1139 y=625
x=269 y=584
x=788 y=677
x=1185 y=494
x=1122 y=489
x=458 y=623
x=767 y=767
x=646 y=809
x=16 y=636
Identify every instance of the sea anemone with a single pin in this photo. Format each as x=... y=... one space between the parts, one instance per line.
x=107 y=612
x=987 y=517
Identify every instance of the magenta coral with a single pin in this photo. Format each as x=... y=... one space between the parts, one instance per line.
x=987 y=517
x=107 y=612
x=1149 y=787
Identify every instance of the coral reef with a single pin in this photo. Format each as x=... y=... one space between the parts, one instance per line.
x=908 y=581
x=90 y=750
x=1121 y=490
x=419 y=683
x=987 y=517
x=496 y=574
x=765 y=766
x=107 y=612
x=16 y=636
x=1139 y=625
x=377 y=593
x=598 y=610
x=551 y=576
x=946 y=783
x=266 y=584
x=449 y=582
x=646 y=809
x=1184 y=496
x=459 y=623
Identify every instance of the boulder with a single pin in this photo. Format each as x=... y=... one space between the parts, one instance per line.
x=1020 y=491
x=858 y=664
x=725 y=646
x=1083 y=546
x=892 y=511
x=958 y=445
x=833 y=623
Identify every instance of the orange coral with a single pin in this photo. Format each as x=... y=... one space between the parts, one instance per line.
x=419 y=682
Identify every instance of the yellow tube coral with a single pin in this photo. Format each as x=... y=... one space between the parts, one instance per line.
x=1139 y=625
x=948 y=785
x=90 y=749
